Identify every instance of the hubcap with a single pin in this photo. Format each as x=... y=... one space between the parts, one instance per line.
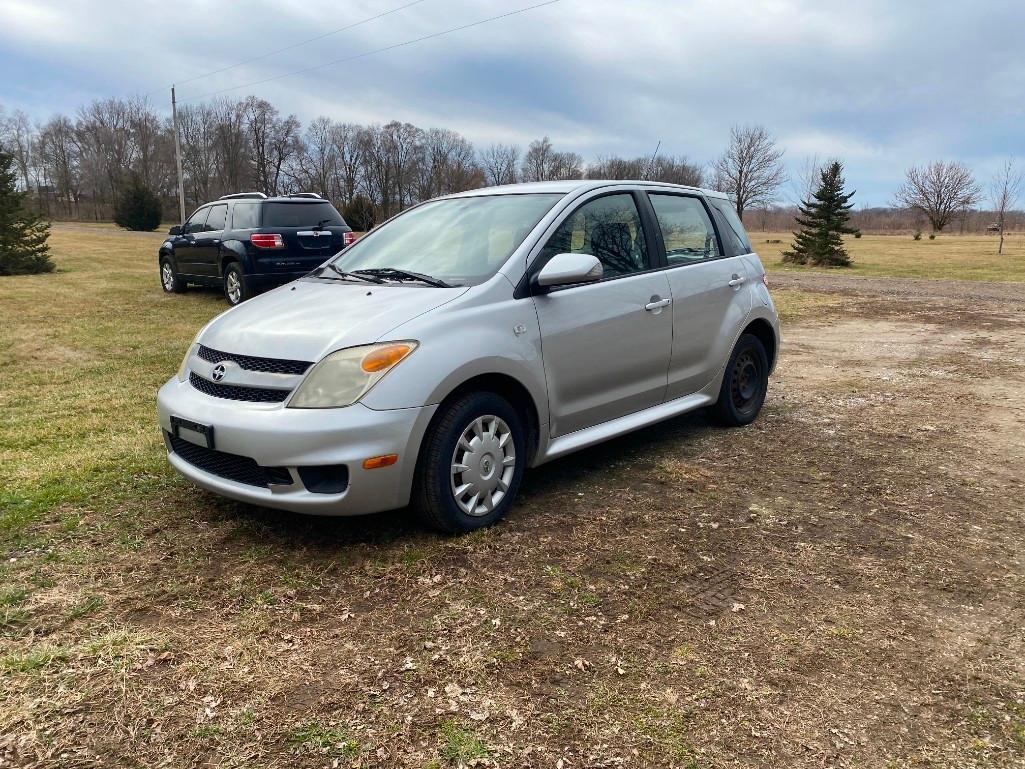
x=483 y=465
x=166 y=276
x=234 y=287
x=745 y=381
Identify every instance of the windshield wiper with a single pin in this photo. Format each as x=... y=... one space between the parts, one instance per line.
x=397 y=274
x=350 y=275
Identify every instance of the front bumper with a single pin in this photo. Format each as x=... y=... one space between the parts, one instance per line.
x=278 y=437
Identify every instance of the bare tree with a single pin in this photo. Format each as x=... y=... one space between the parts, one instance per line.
x=808 y=179
x=938 y=191
x=749 y=171
x=1004 y=192
x=498 y=162
x=542 y=163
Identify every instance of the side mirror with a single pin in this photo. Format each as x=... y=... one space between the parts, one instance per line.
x=568 y=269
x=176 y=230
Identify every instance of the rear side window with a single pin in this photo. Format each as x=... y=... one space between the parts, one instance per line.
x=218 y=218
x=686 y=229
x=734 y=236
x=301 y=215
x=609 y=228
x=245 y=216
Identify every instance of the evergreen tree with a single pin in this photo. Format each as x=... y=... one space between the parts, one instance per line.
x=138 y=207
x=23 y=248
x=823 y=221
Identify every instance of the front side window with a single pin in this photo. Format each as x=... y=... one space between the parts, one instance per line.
x=687 y=230
x=462 y=241
x=609 y=228
x=196 y=222
x=245 y=216
x=218 y=216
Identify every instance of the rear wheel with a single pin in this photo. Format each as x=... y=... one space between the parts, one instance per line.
x=170 y=280
x=471 y=465
x=745 y=383
x=236 y=290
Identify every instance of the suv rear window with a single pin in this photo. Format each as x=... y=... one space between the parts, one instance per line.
x=300 y=214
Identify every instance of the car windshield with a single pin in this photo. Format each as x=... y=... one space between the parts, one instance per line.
x=462 y=241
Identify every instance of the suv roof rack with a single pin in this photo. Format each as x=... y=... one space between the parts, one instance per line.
x=259 y=195
x=304 y=195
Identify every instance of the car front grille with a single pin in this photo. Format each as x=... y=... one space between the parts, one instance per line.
x=230 y=466
x=237 y=392
x=250 y=363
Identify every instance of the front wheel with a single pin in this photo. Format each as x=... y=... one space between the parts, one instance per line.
x=170 y=280
x=236 y=290
x=471 y=465
x=744 y=384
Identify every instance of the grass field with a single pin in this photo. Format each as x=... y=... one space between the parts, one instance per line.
x=645 y=605
x=948 y=257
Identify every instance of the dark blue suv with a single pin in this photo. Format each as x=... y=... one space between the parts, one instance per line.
x=247 y=242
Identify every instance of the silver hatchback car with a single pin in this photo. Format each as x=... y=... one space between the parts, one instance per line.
x=469 y=338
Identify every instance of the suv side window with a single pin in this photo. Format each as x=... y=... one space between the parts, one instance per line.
x=687 y=230
x=218 y=217
x=609 y=228
x=196 y=222
x=245 y=216
x=734 y=237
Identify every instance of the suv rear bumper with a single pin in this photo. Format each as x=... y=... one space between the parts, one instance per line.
x=286 y=439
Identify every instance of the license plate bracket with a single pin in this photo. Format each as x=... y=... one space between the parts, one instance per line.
x=206 y=431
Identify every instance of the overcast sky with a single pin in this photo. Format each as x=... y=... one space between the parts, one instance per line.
x=880 y=84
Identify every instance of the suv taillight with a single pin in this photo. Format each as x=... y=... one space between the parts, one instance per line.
x=267 y=241
x=348 y=238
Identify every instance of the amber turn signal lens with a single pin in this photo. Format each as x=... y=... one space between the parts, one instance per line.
x=385 y=357
x=375 y=462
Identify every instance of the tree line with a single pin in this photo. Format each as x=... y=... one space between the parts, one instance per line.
x=78 y=166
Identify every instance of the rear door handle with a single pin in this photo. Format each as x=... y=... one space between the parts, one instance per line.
x=657 y=304
x=736 y=281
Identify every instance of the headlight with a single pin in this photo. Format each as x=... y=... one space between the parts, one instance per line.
x=345 y=376
x=184 y=367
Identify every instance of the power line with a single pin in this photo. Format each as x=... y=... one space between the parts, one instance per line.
x=296 y=45
x=378 y=50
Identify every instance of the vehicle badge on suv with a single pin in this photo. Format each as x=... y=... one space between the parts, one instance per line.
x=218 y=372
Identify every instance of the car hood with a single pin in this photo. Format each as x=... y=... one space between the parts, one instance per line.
x=308 y=319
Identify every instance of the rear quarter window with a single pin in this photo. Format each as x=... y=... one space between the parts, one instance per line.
x=245 y=216
x=300 y=214
x=732 y=231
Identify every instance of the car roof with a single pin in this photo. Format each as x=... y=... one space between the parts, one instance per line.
x=578 y=185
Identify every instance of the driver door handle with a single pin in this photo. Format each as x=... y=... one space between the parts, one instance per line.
x=657 y=304
x=736 y=281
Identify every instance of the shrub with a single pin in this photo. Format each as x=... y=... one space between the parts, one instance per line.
x=23 y=248
x=917 y=235
x=138 y=207
x=857 y=234
x=932 y=236
x=359 y=213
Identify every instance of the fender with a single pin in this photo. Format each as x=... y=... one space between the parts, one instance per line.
x=233 y=251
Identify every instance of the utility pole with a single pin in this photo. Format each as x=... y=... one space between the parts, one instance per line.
x=178 y=157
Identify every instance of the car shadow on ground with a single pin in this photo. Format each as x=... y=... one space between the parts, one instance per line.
x=297 y=532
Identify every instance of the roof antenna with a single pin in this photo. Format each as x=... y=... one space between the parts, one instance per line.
x=651 y=162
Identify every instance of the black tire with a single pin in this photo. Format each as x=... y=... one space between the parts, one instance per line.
x=435 y=484
x=744 y=384
x=170 y=280
x=236 y=287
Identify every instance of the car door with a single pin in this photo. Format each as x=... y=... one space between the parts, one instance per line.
x=707 y=284
x=605 y=344
x=185 y=253
x=207 y=248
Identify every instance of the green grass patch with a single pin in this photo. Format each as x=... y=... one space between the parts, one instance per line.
x=461 y=745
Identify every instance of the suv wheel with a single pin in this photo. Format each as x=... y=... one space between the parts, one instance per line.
x=471 y=465
x=170 y=281
x=236 y=290
x=745 y=383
